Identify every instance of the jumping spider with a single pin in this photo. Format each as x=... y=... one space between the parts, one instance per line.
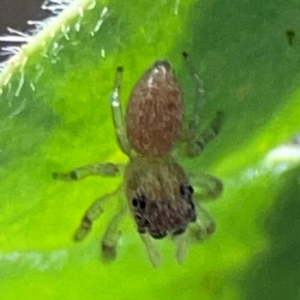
x=160 y=196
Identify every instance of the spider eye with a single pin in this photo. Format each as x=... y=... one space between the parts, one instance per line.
x=190 y=189
x=186 y=190
x=143 y=204
x=139 y=202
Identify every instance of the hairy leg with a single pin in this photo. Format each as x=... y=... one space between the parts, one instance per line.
x=181 y=242
x=195 y=143
x=103 y=169
x=153 y=253
x=207 y=187
x=203 y=227
x=200 y=92
x=198 y=144
x=118 y=116
x=92 y=213
x=112 y=235
x=196 y=232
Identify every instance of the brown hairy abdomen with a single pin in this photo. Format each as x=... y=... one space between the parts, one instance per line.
x=154 y=113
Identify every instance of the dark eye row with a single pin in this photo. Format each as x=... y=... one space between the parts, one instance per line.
x=186 y=190
x=139 y=201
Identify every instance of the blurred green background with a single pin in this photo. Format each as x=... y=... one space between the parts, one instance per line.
x=55 y=115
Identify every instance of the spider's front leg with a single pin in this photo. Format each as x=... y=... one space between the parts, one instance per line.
x=207 y=187
x=153 y=253
x=95 y=210
x=203 y=227
x=91 y=214
x=198 y=231
x=103 y=169
x=112 y=235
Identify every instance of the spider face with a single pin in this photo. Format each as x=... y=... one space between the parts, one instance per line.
x=160 y=196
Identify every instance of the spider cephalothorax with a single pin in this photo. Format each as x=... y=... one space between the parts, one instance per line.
x=159 y=193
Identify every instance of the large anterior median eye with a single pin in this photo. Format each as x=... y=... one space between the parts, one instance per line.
x=139 y=202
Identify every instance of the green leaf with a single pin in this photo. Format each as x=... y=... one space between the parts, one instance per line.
x=55 y=115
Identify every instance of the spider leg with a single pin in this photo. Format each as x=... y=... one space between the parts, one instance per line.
x=104 y=169
x=112 y=235
x=195 y=144
x=181 y=241
x=198 y=144
x=117 y=114
x=203 y=227
x=200 y=92
x=153 y=253
x=207 y=187
x=92 y=213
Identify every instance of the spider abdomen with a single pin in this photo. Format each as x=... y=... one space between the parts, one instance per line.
x=154 y=111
